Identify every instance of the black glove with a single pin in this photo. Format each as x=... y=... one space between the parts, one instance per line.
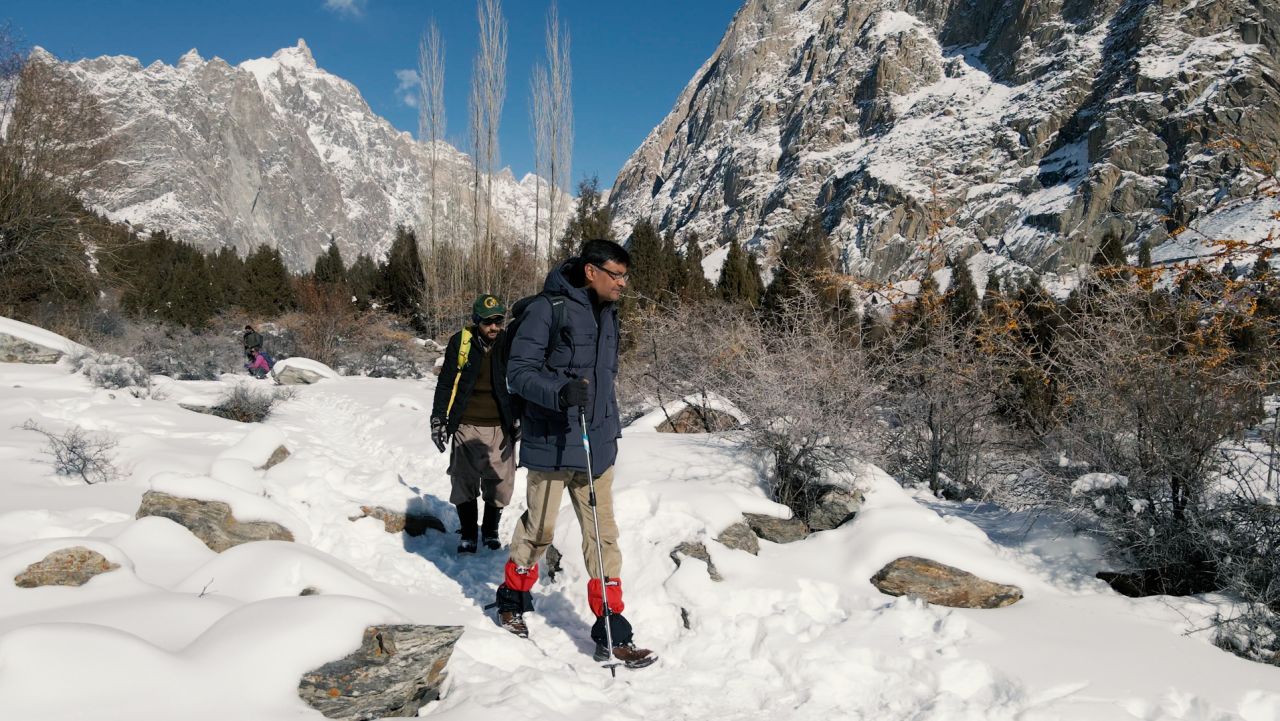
x=438 y=434
x=574 y=393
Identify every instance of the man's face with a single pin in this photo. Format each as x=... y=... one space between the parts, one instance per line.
x=490 y=327
x=607 y=279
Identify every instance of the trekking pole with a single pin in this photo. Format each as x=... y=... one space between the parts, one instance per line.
x=595 y=522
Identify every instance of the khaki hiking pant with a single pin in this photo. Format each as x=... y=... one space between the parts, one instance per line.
x=538 y=524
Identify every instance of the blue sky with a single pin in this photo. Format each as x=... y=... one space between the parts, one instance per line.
x=631 y=58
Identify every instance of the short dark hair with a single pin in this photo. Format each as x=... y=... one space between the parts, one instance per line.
x=599 y=252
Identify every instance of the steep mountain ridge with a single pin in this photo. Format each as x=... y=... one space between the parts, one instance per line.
x=275 y=150
x=1027 y=128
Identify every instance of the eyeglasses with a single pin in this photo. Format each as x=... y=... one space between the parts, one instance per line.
x=613 y=273
x=495 y=320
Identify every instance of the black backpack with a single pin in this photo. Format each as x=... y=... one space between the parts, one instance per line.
x=559 y=334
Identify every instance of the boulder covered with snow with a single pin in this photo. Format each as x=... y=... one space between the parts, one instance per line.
x=942 y=585
x=694 y=549
x=24 y=343
x=301 y=371
x=72 y=566
x=395 y=672
x=210 y=521
x=413 y=523
x=739 y=536
x=831 y=506
x=777 y=530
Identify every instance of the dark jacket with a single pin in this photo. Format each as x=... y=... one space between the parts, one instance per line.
x=467 y=383
x=551 y=439
x=252 y=339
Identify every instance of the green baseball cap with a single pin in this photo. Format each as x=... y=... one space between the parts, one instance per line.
x=487 y=306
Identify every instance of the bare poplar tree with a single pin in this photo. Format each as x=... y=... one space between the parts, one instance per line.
x=432 y=121
x=559 y=146
x=489 y=89
x=539 y=115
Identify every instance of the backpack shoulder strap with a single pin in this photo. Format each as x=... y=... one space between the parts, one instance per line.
x=464 y=350
x=557 y=321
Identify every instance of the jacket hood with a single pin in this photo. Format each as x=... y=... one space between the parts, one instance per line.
x=569 y=280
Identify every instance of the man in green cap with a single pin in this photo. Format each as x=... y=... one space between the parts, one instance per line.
x=473 y=410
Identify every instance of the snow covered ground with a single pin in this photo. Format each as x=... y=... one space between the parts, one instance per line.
x=179 y=632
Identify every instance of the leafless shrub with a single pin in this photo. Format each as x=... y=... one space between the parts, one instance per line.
x=944 y=399
x=112 y=372
x=75 y=452
x=807 y=394
x=246 y=404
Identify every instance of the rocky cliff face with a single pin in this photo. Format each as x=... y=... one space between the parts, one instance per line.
x=1026 y=128
x=275 y=151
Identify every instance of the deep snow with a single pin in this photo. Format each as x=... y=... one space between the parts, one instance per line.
x=795 y=633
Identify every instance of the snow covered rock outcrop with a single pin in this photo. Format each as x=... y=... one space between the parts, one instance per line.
x=72 y=566
x=943 y=585
x=24 y=343
x=210 y=521
x=1029 y=129
x=396 y=671
x=275 y=150
x=301 y=371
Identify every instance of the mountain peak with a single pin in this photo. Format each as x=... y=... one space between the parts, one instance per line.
x=191 y=58
x=297 y=56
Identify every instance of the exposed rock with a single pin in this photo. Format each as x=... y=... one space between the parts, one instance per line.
x=831 y=506
x=395 y=672
x=210 y=521
x=552 y=562
x=777 y=530
x=65 y=567
x=942 y=584
x=207 y=410
x=414 y=523
x=18 y=350
x=693 y=419
x=293 y=375
x=740 y=536
x=693 y=549
x=309 y=591
x=277 y=457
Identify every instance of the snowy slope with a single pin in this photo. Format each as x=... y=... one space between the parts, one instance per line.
x=276 y=151
x=795 y=633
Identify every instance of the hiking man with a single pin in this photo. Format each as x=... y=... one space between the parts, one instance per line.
x=557 y=377
x=472 y=408
x=252 y=342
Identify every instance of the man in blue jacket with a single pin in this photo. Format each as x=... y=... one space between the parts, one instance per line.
x=556 y=378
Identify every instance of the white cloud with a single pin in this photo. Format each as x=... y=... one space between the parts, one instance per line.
x=353 y=8
x=407 y=90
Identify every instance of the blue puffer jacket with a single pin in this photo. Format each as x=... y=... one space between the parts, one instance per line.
x=550 y=439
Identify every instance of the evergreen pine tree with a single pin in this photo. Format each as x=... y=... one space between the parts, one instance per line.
x=804 y=257
x=991 y=295
x=591 y=220
x=329 y=267
x=1110 y=253
x=696 y=287
x=403 y=280
x=734 y=285
x=363 y=277
x=226 y=270
x=962 y=300
x=1144 y=253
x=268 y=289
x=755 y=281
x=1261 y=268
x=648 y=271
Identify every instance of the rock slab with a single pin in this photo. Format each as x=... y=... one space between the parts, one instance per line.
x=693 y=549
x=210 y=521
x=396 y=670
x=739 y=536
x=943 y=585
x=777 y=530
x=18 y=350
x=832 y=506
x=411 y=522
x=65 y=567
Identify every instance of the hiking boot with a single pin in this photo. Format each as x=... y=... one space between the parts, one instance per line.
x=466 y=545
x=627 y=653
x=513 y=622
x=489 y=527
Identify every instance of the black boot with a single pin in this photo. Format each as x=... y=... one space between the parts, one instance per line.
x=467 y=513
x=489 y=528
